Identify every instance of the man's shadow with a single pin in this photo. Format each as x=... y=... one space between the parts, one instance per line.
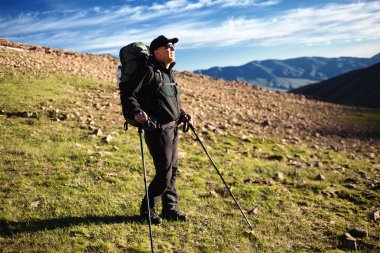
x=9 y=228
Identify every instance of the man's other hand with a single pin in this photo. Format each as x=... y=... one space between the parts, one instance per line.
x=186 y=118
x=141 y=117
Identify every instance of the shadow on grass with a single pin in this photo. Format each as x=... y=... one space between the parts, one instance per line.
x=9 y=228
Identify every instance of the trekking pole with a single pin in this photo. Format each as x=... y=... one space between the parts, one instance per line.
x=146 y=189
x=220 y=175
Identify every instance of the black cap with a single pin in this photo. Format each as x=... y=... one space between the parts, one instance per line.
x=161 y=41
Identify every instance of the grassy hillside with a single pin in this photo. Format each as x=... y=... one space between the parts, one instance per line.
x=306 y=172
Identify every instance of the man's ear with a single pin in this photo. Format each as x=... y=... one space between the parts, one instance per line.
x=157 y=54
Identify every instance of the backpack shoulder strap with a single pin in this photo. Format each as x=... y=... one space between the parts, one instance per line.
x=158 y=75
x=159 y=78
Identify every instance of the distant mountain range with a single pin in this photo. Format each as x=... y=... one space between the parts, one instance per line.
x=292 y=73
x=358 y=88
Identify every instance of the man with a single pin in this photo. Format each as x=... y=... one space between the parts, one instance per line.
x=153 y=95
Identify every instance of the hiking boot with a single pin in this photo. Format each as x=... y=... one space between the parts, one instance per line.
x=155 y=219
x=174 y=215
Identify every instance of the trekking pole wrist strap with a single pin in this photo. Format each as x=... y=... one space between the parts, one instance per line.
x=186 y=127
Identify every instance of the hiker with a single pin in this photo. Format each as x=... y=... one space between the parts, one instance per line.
x=153 y=95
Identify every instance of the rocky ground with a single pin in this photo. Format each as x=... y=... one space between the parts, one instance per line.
x=37 y=60
x=219 y=105
x=216 y=105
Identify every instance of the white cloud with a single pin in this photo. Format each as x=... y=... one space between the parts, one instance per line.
x=333 y=23
x=127 y=14
x=195 y=24
x=187 y=5
x=230 y=3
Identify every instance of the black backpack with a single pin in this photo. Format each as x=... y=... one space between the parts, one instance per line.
x=132 y=57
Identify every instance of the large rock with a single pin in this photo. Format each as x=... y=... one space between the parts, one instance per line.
x=107 y=139
x=359 y=232
x=349 y=242
x=320 y=177
x=279 y=176
x=375 y=215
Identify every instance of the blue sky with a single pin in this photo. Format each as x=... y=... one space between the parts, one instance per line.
x=211 y=32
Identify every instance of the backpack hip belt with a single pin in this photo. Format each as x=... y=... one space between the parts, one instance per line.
x=167 y=125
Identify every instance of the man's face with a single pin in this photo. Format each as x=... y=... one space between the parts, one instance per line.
x=166 y=54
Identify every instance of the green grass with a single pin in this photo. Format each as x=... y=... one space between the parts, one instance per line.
x=62 y=190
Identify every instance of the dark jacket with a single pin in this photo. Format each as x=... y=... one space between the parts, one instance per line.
x=153 y=89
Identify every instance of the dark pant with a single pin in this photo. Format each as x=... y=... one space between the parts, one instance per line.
x=163 y=146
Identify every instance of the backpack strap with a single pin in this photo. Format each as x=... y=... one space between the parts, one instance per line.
x=160 y=79
x=158 y=76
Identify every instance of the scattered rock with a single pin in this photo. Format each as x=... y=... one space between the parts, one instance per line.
x=256 y=149
x=218 y=131
x=98 y=132
x=350 y=186
x=341 y=169
x=35 y=203
x=103 y=153
x=359 y=232
x=349 y=242
x=213 y=194
x=364 y=175
x=91 y=127
x=375 y=215
x=114 y=133
x=235 y=121
x=266 y=123
x=279 y=176
x=210 y=127
x=182 y=154
x=22 y=114
x=297 y=156
x=245 y=138
x=275 y=158
x=320 y=177
x=248 y=181
x=351 y=180
x=328 y=194
x=249 y=233
x=371 y=155
x=82 y=119
x=107 y=139
x=254 y=211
